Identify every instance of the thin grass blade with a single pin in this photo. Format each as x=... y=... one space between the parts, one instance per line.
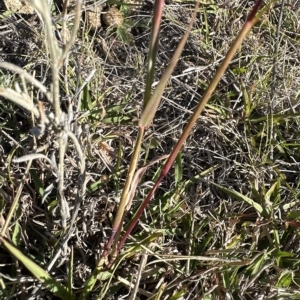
x=158 y=9
x=151 y=107
x=54 y=287
x=241 y=197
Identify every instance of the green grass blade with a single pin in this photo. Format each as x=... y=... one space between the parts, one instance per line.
x=89 y=284
x=241 y=197
x=37 y=182
x=277 y=118
x=285 y=279
x=178 y=168
x=16 y=233
x=50 y=283
x=70 y=275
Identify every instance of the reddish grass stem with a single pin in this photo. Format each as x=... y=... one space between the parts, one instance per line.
x=251 y=20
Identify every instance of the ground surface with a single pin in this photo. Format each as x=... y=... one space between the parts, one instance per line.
x=246 y=142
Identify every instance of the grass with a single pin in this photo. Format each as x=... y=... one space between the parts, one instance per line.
x=223 y=223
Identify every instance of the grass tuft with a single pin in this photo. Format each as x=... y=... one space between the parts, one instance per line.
x=75 y=99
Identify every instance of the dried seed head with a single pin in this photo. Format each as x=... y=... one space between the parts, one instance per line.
x=112 y=17
x=93 y=17
x=19 y=6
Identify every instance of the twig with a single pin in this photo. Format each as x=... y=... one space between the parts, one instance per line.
x=74 y=31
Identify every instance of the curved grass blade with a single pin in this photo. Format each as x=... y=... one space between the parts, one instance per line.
x=50 y=283
x=241 y=197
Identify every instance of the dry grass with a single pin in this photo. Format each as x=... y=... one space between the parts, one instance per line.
x=195 y=240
